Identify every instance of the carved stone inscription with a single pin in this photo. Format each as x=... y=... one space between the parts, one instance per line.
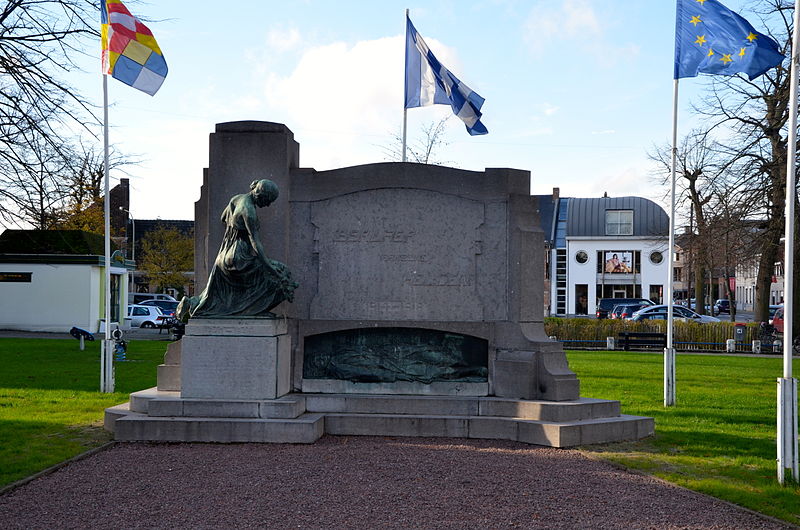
x=397 y=254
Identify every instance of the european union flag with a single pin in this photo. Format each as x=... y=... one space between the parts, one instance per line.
x=712 y=39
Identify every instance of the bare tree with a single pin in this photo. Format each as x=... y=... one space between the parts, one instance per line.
x=423 y=149
x=40 y=111
x=753 y=115
x=698 y=171
x=730 y=241
x=34 y=190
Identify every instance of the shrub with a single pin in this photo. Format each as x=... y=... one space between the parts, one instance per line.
x=687 y=335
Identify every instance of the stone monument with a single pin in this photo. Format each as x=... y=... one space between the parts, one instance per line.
x=419 y=312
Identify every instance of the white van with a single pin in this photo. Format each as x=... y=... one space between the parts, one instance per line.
x=138 y=298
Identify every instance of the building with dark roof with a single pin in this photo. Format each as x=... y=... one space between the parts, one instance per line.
x=605 y=247
x=52 y=280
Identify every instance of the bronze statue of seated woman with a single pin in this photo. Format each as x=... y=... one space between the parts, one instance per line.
x=244 y=282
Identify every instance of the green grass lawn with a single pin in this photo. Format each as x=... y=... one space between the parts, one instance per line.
x=50 y=405
x=719 y=438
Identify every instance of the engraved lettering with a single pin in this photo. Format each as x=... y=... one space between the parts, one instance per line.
x=374 y=235
x=422 y=279
x=394 y=308
x=404 y=257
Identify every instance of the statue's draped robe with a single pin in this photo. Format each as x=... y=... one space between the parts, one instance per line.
x=243 y=282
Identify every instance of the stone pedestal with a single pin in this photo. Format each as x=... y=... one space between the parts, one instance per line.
x=169 y=373
x=229 y=358
x=534 y=375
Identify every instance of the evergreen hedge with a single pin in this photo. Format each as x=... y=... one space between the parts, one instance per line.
x=589 y=332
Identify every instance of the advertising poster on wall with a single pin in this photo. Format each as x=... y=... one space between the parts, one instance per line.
x=619 y=262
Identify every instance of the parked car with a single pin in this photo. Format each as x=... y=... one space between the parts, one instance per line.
x=615 y=312
x=138 y=298
x=625 y=311
x=605 y=305
x=168 y=307
x=772 y=310
x=777 y=319
x=692 y=304
x=677 y=312
x=145 y=316
x=723 y=305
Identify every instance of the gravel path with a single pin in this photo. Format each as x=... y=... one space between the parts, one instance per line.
x=357 y=482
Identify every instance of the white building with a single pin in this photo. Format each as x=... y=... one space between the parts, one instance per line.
x=54 y=281
x=746 y=280
x=607 y=247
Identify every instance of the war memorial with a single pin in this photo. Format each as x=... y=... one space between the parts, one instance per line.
x=393 y=299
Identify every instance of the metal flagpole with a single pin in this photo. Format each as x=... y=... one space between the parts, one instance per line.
x=787 y=385
x=106 y=359
x=669 y=351
x=405 y=110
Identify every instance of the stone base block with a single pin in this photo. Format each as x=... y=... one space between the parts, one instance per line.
x=169 y=377
x=534 y=375
x=235 y=359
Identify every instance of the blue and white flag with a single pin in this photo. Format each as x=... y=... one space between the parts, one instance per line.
x=428 y=82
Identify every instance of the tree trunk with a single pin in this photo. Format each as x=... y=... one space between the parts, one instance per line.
x=730 y=294
x=699 y=284
x=766 y=266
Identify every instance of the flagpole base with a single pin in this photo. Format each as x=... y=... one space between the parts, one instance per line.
x=787 y=430
x=107 y=366
x=669 y=377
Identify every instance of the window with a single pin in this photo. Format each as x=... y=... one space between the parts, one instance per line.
x=581 y=299
x=677 y=274
x=619 y=222
x=656 y=257
x=581 y=257
x=657 y=294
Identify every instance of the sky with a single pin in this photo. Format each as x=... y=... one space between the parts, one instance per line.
x=577 y=91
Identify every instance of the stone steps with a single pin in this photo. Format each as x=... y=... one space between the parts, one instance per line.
x=553 y=411
x=155 y=415
x=496 y=428
x=307 y=428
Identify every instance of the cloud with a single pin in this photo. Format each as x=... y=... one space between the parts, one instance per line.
x=345 y=100
x=180 y=168
x=547 y=109
x=553 y=22
x=283 y=40
x=624 y=181
x=572 y=21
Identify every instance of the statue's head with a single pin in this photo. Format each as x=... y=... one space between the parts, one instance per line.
x=264 y=192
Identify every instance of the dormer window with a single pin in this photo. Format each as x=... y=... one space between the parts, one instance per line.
x=619 y=222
